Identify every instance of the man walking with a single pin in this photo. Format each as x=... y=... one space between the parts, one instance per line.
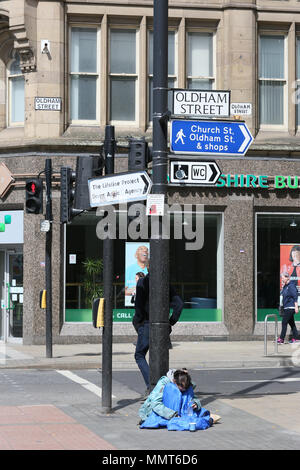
x=141 y=323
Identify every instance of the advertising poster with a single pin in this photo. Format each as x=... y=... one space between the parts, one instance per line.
x=136 y=265
x=290 y=263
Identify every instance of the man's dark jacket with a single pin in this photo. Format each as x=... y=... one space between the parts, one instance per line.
x=142 y=304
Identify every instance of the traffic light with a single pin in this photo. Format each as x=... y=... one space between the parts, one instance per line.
x=139 y=154
x=34 y=196
x=86 y=168
x=67 y=191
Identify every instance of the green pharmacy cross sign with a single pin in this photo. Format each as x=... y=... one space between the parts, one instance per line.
x=7 y=221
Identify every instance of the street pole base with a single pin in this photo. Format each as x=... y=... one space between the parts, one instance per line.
x=106 y=410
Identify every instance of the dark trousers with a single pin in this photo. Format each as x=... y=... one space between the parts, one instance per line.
x=288 y=319
x=142 y=347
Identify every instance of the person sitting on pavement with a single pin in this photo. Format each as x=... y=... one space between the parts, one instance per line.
x=173 y=397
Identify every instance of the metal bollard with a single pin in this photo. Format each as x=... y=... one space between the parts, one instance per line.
x=276 y=332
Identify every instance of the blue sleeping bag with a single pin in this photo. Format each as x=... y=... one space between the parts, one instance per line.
x=179 y=402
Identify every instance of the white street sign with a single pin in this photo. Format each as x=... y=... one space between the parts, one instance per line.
x=47 y=104
x=119 y=188
x=201 y=103
x=241 y=109
x=194 y=173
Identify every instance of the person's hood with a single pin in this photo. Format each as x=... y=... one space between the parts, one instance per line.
x=170 y=374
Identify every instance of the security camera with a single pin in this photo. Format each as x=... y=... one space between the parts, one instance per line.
x=45 y=46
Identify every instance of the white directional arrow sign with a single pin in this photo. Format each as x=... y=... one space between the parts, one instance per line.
x=194 y=173
x=119 y=189
x=209 y=137
x=247 y=141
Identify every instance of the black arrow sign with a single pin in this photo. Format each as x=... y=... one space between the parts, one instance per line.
x=143 y=177
x=214 y=171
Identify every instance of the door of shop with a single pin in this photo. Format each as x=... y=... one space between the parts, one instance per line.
x=11 y=290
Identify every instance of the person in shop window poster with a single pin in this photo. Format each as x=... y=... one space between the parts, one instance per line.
x=139 y=265
x=293 y=268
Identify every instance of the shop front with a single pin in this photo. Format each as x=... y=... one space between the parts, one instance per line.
x=196 y=275
x=228 y=284
x=11 y=275
x=277 y=237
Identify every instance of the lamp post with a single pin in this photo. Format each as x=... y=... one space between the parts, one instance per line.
x=108 y=266
x=48 y=262
x=159 y=247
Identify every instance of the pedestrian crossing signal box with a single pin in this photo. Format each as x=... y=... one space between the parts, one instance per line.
x=43 y=303
x=98 y=313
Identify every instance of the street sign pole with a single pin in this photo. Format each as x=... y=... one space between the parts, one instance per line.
x=159 y=247
x=48 y=263
x=108 y=266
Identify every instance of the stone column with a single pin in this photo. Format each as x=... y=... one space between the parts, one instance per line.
x=239 y=57
x=239 y=265
x=48 y=80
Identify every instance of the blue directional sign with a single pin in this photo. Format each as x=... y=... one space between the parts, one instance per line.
x=209 y=137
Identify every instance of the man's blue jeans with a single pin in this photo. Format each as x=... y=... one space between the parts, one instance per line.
x=142 y=347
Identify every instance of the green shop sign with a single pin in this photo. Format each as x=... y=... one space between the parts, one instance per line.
x=261 y=181
x=125 y=315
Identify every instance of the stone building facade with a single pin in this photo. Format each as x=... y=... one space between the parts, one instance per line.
x=97 y=64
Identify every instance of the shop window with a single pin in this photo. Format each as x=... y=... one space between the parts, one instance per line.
x=16 y=93
x=123 y=77
x=196 y=275
x=172 y=69
x=200 y=74
x=273 y=232
x=272 y=80
x=83 y=74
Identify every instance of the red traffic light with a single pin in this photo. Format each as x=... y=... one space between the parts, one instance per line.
x=33 y=187
x=34 y=196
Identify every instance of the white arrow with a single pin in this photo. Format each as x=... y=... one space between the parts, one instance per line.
x=247 y=138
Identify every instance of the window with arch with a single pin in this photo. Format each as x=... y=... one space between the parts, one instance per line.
x=15 y=92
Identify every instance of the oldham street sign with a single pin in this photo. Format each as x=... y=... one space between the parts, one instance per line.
x=231 y=138
x=119 y=189
x=201 y=103
x=194 y=172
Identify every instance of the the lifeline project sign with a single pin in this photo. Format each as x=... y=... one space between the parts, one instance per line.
x=120 y=188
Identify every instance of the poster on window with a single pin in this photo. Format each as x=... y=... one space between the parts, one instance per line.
x=136 y=266
x=290 y=263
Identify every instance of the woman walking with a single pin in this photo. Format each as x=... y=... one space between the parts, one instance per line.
x=290 y=307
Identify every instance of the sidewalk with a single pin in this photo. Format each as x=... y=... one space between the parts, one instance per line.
x=249 y=421
x=203 y=354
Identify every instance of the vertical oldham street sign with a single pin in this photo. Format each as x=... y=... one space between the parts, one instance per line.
x=209 y=137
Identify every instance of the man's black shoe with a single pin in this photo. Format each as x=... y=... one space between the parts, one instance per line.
x=145 y=395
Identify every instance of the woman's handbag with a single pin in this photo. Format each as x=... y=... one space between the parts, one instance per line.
x=281 y=310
